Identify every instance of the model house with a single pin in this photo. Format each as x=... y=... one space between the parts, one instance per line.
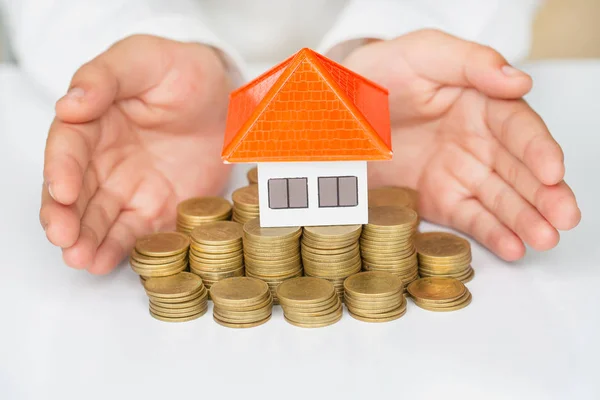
x=311 y=126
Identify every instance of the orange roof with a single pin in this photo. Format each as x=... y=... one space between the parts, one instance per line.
x=308 y=108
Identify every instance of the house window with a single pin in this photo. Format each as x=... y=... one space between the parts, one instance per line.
x=338 y=191
x=288 y=193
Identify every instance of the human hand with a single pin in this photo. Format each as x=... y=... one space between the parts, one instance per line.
x=481 y=158
x=140 y=130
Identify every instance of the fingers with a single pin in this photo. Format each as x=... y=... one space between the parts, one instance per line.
x=556 y=203
x=69 y=149
x=472 y=218
x=127 y=69
x=456 y=62
x=118 y=243
x=503 y=202
x=60 y=222
x=98 y=218
x=525 y=135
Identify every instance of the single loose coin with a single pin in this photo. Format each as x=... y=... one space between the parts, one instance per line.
x=441 y=244
x=162 y=244
x=392 y=216
x=219 y=232
x=182 y=284
x=436 y=289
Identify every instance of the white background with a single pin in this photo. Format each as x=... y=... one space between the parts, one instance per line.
x=531 y=332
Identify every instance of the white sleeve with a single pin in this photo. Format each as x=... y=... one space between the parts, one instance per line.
x=52 y=39
x=504 y=25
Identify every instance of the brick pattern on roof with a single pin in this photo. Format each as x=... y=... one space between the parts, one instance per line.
x=296 y=123
x=308 y=108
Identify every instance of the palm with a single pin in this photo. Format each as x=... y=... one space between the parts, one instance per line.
x=174 y=157
x=134 y=154
x=463 y=149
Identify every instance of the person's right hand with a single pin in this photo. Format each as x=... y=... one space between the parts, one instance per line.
x=139 y=130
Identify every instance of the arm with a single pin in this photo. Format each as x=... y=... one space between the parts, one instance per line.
x=502 y=24
x=51 y=40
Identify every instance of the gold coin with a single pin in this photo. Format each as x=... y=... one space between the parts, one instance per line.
x=304 y=290
x=394 y=196
x=180 y=285
x=177 y=312
x=219 y=233
x=442 y=245
x=182 y=304
x=373 y=284
x=326 y=244
x=253 y=230
x=203 y=208
x=328 y=252
x=240 y=326
x=327 y=232
x=219 y=275
x=314 y=325
x=391 y=217
x=375 y=319
x=142 y=259
x=204 y=249
x=162 y=244
x=441 y=308
x=238 y=290
x=252 y=175
x=436 y=289
x=380 y=313
x=160 y=273
x=247 y=195
x=179 y=319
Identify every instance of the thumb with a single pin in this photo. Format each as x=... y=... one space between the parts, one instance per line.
x=451 y=61
x=127 y=69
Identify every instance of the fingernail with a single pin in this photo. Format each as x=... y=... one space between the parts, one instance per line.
x=511 y=71
x=50 y=191
x=75 y=93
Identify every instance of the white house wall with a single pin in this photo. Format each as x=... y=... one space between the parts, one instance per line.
x=313 y=215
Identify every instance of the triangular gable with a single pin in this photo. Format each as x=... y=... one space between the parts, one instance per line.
x=308 y=116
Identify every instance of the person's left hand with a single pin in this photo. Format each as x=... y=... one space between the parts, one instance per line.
x=482 y=160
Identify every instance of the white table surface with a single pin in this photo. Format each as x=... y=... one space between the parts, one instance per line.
x=531 y=332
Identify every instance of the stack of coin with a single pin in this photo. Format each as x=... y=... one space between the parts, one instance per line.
x=216 y=251
x=245 y=203
x=160 y=254
x=332 y=253
x=375 y=296
x=201 y=210
x=272 y=254
x=444 y=254
x=252 y=176
x=241 y=302
x=439 y=294
x=394 y=196
x=387 y=244
x=177 y=298
x=309 y=302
